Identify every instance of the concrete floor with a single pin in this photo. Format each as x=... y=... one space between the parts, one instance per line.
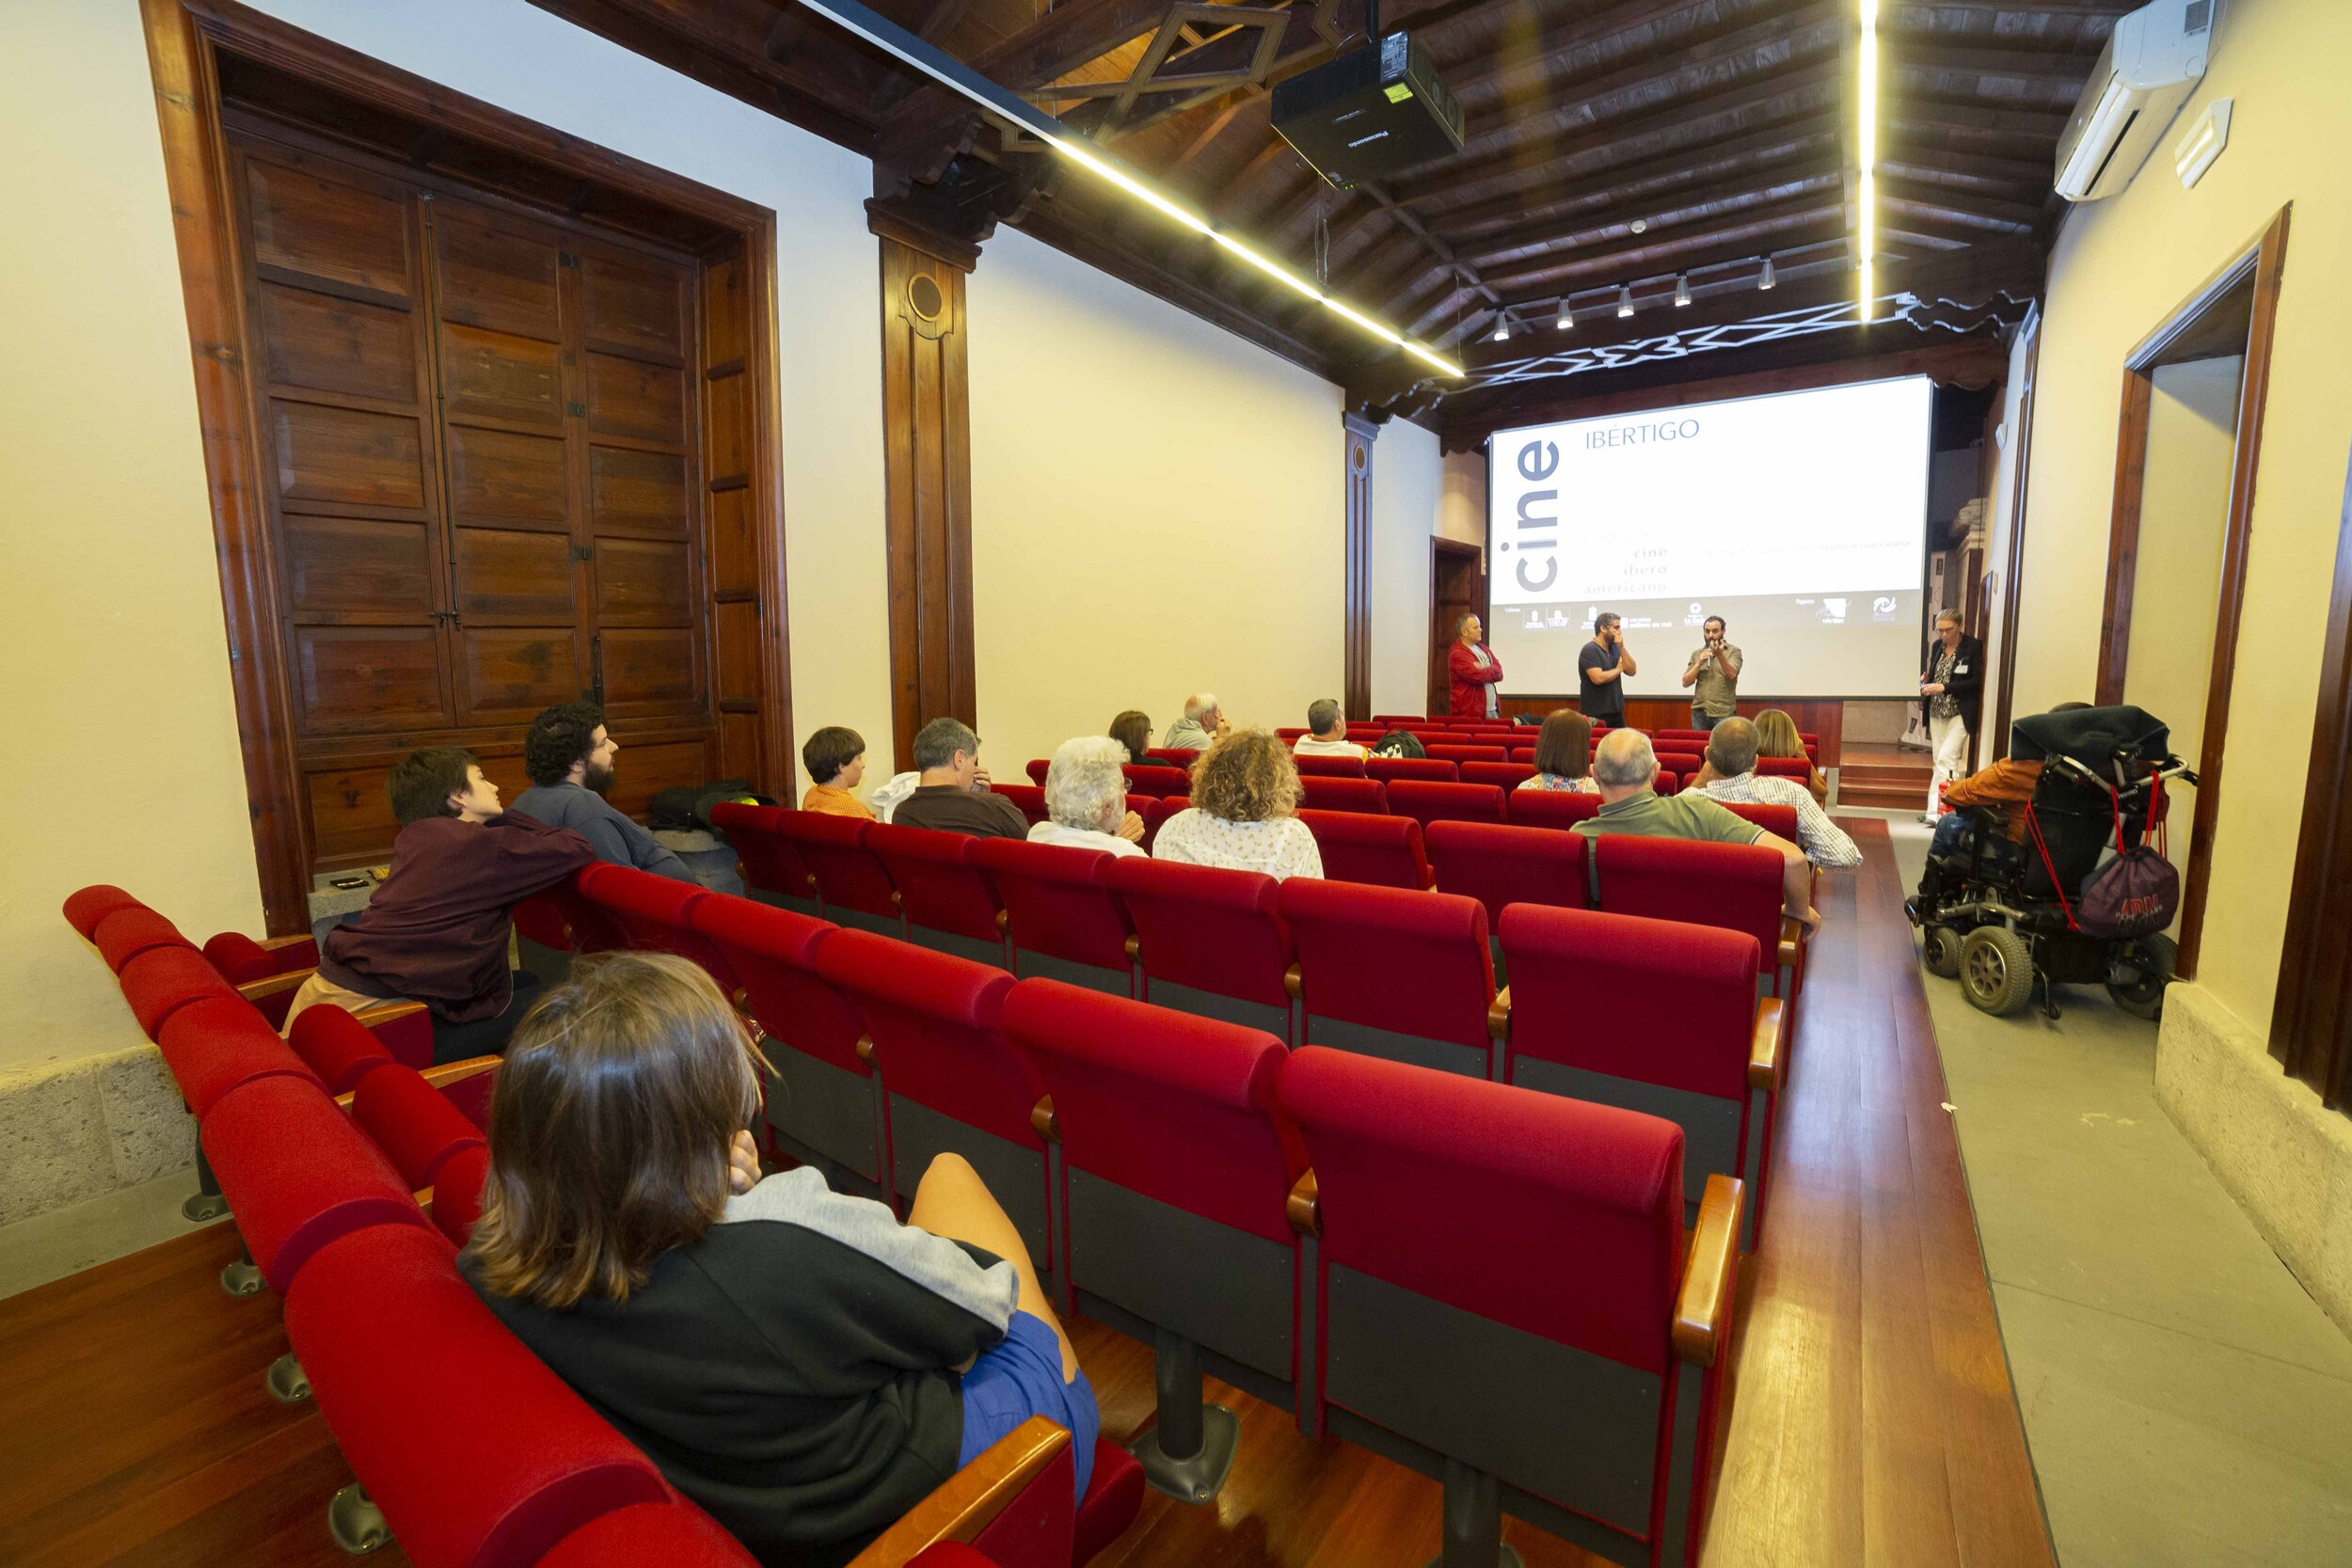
x=2184 y=1401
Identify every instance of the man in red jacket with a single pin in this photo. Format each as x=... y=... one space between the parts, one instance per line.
x=437 y=931
x=1475 y=670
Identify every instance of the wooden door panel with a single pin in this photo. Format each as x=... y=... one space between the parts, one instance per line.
x=645 y=769
x=496 y=278
x=498 y=376
x=734 y=551
x=351 y=812
x=649 y=667
x=636 y=401
x=728 y=429
x=738 y=647
x=347 y=569
x=634 y=306
x=516 y=479
x=510 y=575
x=366 y=678
x=314 y=227
x=347 y=455
x=738 y=745
x=338 y=345
x=517 y=671
x=643 y=583
x=637 y=491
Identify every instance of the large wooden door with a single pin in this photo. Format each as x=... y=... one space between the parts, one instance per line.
x=481 y=453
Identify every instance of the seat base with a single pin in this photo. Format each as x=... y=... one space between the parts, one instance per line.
x=242 y=1279
x=286 y=1383
x=203 y=1208
x=356 y=1522
x=1199 y=1477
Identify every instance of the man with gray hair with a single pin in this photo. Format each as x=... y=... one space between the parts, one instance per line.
x=952 y=795
x=1732 y=776
x=1624 y=767
x=1204 y=724
x=1328 y=733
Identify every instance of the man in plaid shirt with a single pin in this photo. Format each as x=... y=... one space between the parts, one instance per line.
x=1731 y=756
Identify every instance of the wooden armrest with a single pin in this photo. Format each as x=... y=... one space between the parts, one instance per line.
x=257 y=991
x=279 y=945
x=1004 y=922
x=447 y=1073
x=1764 y=1045
x=387 y=1012
x=742 y=1002
x=1292 y=984
x=1499 y=1015
x=1711 y=1274
x=897 y=901
x=1133 y=948
x=1044 y=1122
x=865 y=1048
x=1305 y=1206
x=970 y=1501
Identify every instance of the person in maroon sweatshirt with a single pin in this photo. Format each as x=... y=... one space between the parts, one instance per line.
x=436 y=931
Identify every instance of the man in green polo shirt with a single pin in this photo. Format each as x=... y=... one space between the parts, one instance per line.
x=1624 y=767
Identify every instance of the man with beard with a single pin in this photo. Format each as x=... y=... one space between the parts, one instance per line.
x=568 y=755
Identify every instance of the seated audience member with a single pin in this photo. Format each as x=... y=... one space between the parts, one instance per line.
x=436 y=931
x=1776 y=737
x=568 y=753
x=1133 y=730
x=1399 y=743
x=1086 y=798
x=836 y=760
x=1731 y=756
x=798 y=1362
x=1204 y=724
x=1564 y=755
x=1998 y=792
x=1244 y=800
x=1626 y=767
x=1328 y=733
x=953 y=795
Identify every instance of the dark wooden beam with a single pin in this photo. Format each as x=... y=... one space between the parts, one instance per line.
x=1640 y=255
x=1920 y=156
x=1927 y=50
x=1698 y=206
x=1962 y=206
x=1938 y=118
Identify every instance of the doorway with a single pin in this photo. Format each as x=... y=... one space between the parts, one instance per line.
x=2186 y=457
x=1457 y=587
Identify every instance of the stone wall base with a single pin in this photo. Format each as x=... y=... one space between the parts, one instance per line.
x=71 y=1131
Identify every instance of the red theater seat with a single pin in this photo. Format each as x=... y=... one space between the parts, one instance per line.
x=1177 y=1174
x=1383 y=851
x=1426 y=803
x=457 y=1193
x=1329 y=767
x=656 y=915
x=1395 y=974
x=1037 y=770
x=127 y=934
x=824 y=1104
x=241 y=960
x=1734 y=886
x=299 y=1175
x=217 y=1045
x=1666 y=783
x=86 y=907
x=954 y=1086
x=1502 y=865
x=338 y=1047
x=477 y=1454
x=674 y=1534
x=1784 y=767
x=1551 y=808
x=162 y=980
x=1509 y=1299
x=1523 y=753
x=1156 y=815
x=1029 y=798
x=1655 y=1017
x=1503 y=775
x=1424 y=769
x=1181 y=756
x=1364 y=796
x=770 y=863
x=851 y=885
x=1780 y=821
x=1461 y=754
x=1157 y=781
x=948 y=903
x=1209 y=942
x=412 y=1122
x=1064 y=921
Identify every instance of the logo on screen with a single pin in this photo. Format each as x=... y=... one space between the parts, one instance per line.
x=1536 y=528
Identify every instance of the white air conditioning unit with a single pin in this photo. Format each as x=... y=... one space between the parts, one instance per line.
x=2153 y=61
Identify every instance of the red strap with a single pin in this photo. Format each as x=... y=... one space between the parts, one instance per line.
x=2034 y=823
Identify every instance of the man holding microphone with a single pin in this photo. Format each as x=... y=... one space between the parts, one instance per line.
x=1713 y=675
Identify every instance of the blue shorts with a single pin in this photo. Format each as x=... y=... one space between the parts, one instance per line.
x=1017 y=1377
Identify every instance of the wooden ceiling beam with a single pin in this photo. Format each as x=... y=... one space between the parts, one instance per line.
x=1938 y=117
x=1704 y=204
x=1924 y=50
x=1959 y=205
x=1647 y=255
x=1899 y=155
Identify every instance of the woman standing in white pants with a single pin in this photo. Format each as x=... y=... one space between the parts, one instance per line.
x=1951 y=689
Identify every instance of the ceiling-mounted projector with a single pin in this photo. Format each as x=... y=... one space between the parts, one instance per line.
x=2152 y=62
x=1368 y=114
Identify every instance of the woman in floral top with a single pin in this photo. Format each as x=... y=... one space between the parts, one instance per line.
x=1564 y=755
x=1244 y=801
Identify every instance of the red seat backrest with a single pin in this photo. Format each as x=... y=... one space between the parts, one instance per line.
x=1499 y=865
x=1383 y=851
x=1666 y=783
x=86 y=907
x=1673 y=759
x=457 y=1193
x=1038 y=767
x=162 y=980
x=1388 y=770
x=1413 y=962
x=298 y=1173
x=933 y=1020
x=1181 y=756
x=220 y=1044
x=242 y=960
x=1777 y=819
x=1329 y=767
x=1559 y=1218
x=1029 y=798
x=1784 y=767
x=1155 y=816
x=674 y=1534
x=1503 y=775
x=770 y=861
x=656 y=915
x=939 y=886
x=1523 y=753
x=1445 y=802
x=565 y=918
x=1734 y=886
x=1157 y=781
x=1059 y=900
x=477 y=1454
x=773 y=953
x=848 y=875
x=127 y=934
x=412 y=1122
x=1178 y=1108
x=1461 y=754
x=1207 y=928
x=338 y=1047
x=1357 y=795
x=1655 y=1001
x=1551 y=808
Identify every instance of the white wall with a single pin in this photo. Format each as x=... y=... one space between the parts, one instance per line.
x=1157 y=507
x=1408 y=489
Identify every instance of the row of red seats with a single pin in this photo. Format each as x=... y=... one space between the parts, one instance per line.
x=1676 y=772
x=1500 y=1286
x=352 y=1178
x=1482 y=728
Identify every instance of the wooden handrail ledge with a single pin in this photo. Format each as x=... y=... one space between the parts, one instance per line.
x=970 y=1501
x=1764 y=1046
x=1305 y=1206
x=1711 y=1273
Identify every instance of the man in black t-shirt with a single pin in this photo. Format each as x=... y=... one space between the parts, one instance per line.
x=1602 y=668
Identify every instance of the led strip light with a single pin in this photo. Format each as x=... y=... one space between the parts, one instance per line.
x=954 y=75
x=1869 y=105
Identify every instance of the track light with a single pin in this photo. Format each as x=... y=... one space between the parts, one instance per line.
x=1502 y=329
x=1768 y=279
x=1625 y=299
x=1682 y=288
x=1567 y=317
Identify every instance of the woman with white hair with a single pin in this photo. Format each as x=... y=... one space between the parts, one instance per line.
x=1086 y=798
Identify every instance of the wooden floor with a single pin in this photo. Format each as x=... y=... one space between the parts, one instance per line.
x=1870 y=1418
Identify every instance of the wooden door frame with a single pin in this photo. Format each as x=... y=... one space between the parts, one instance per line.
x=2262 y=262
x=1439 y=549
x=186 y=41
x=2013 y=555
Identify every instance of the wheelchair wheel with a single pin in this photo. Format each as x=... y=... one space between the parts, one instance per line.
x=1995 y=970
x=1939 y=950
x=2148 y=963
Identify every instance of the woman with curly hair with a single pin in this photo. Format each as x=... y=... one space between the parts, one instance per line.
x=1244 y=815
